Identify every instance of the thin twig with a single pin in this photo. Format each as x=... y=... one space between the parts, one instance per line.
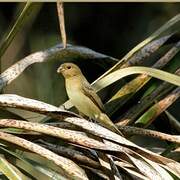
x=60 y=10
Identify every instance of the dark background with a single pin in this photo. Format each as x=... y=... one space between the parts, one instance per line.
x=110 y=28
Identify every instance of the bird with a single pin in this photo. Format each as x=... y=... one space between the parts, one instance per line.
x=83 y=96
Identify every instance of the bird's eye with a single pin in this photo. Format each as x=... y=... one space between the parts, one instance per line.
x=68 y=67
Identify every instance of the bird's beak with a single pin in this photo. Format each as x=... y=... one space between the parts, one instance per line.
x=60 y=69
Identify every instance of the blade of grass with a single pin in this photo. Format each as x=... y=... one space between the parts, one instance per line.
x=25 y=165
x=173 y=121
x=22 y=19
x=151 y=114
x=10 y=171
x=118 y=74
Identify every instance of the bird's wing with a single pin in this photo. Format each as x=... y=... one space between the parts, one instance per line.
x=90 y=92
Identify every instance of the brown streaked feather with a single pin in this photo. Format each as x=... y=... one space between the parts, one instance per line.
x=91 y=94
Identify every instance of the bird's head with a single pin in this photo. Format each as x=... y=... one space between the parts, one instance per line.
x=69 y=70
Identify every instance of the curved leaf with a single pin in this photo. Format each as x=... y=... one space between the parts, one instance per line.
x=118 y=74
x=10 y=171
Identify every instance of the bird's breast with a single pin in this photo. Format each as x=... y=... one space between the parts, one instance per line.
x=80 y=100
x=74 y=92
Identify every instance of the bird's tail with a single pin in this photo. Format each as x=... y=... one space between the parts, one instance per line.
x=106 y=122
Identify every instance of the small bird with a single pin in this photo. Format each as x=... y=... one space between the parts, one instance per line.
x=83 y=96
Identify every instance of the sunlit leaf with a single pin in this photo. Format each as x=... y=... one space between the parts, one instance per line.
x=10 y=171
x=118 y=74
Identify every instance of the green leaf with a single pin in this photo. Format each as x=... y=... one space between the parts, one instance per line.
x=118 y=74
x=22 y=19
x=9 y=170
x=25 y=165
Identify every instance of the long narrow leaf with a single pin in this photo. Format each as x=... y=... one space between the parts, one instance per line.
x=22 y=19
x=25 y=165
x=10 y=171
x=118 y=74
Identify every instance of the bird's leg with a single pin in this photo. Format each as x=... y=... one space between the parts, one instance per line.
x=97 y=116
x=93 y=120
x=90 y=119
